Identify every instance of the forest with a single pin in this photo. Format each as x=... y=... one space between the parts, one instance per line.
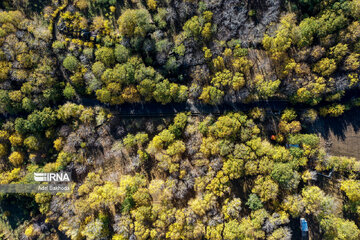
x=69 y=69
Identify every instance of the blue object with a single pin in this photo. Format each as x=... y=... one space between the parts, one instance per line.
x=294 y=145
x=303 y=225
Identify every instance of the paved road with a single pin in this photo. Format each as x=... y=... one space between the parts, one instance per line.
x=152 y=109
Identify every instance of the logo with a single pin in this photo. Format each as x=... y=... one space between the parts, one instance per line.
x=52 y=177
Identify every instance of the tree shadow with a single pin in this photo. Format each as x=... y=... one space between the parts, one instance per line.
x=336 y=125
x=20 y=208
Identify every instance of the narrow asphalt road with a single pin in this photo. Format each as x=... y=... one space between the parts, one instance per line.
x=153 y=109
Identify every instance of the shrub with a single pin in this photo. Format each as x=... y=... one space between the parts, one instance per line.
x=121 y=53
x=16 y=158
x=70 y=63
x=135 y=23
x=105 y=55
x=29 y=232
x=5 y=68
x=254 y=202
x=16 y=139
x=3 y=150
x=325 y=66
x=69 y=91
x=98 y=68
x=31 y=143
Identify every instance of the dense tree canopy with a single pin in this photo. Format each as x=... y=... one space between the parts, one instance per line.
x=71 y=69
